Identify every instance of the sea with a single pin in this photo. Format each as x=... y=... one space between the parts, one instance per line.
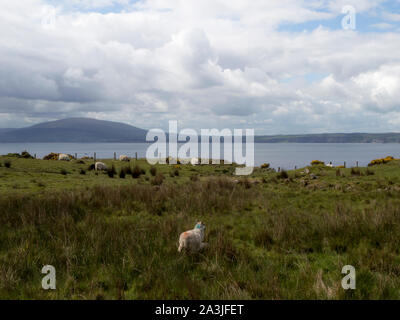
x=278 y=155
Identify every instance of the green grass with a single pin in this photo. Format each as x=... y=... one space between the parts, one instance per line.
x=270 y=236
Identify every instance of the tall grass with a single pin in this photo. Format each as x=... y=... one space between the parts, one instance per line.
x=121 y=243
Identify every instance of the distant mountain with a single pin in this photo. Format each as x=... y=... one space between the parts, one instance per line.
x=91 y=130
x=332 y=138
x=75 y=130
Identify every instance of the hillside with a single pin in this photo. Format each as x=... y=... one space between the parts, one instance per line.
x=332 y=138
x=75 y=130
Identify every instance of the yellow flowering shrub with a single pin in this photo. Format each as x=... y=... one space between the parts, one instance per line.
x=317 y=163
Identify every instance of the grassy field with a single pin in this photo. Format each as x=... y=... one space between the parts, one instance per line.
x=271 y=235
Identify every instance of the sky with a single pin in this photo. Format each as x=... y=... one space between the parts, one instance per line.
x=276 y=66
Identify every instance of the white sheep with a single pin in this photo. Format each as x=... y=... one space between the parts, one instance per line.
x=192 y=240
x=63 y=157
x=100 y=166
x=124 y=158
x=194 y=161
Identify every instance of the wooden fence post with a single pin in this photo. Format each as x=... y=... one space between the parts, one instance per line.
x=357 y=164
x=136 y=156
x=94 y=158
x=115 y=156
x=345 y=164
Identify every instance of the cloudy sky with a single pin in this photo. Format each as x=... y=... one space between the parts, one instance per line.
x=278 y=66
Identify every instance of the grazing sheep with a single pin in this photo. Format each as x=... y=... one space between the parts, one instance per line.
x=192 y=240
x=194 y=161
x=100 y=166
x=63 y=157
x=330 y=165
x=124 y=158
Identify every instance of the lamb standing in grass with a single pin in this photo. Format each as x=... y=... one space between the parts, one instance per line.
x=192 y=240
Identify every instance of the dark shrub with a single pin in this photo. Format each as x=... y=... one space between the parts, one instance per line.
x=355 y=172
x=63 y=172
x=122 y=173
x=111 y=171
x=41 y=184
x=7 y=164
x=283 y=175
x=153 y=171
x=263 y=239
x=13 y=155
x=25 y=154
x=369 y=172
x=136 y=172
x=82 y=172
x=176 y=172
x=158 y=180
x=246 y=183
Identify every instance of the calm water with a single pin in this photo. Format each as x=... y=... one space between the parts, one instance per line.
x=284 y=155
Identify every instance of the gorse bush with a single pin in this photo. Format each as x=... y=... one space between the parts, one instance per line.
x=317 y=163
x=380 y=161
x=7 y=164
x=265 y=166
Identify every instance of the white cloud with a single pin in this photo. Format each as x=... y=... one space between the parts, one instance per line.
x=206 y=63
x=383 y=26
